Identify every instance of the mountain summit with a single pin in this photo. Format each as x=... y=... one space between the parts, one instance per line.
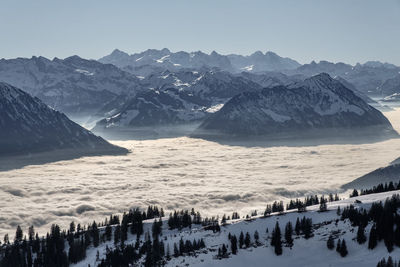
x=317 y=103
x=28 y=125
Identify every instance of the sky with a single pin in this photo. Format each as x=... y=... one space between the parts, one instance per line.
x=348 y=31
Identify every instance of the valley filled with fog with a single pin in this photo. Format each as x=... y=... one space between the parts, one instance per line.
x=182 y=172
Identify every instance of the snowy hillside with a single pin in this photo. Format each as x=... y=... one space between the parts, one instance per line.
x=28 y=125
x=178 y=97
x=310 y=251
x=319 y=102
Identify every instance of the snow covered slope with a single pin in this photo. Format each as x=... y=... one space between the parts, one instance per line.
x=304 y=252
x=319 y=102
x=28 y=125
x=178 y=97
x=72 y=85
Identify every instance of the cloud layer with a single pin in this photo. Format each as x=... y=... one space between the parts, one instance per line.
x=180 y=173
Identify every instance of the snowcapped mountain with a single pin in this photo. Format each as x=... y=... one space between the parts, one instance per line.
x=72 y=85
x=259 y=62
x=319 y=102
x=178 y=97
x=28 y=125
x=367 y=78
x=152 y=59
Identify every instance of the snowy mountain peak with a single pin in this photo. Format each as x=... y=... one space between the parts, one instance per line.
x=28 y=125
x=317 y=103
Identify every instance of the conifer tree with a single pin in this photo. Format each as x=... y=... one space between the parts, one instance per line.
x=343 y=249
x=247 y=240
x=330 y=243
x=234 y=247
x=31 y=233
x=361 y=238
x=72 y=227
x=288 y=234
x=176 y=250
x=95 y=234
x=18 y=234
x=373 y=238
x=256 y=237
x=276 y=239
x=297 y=226
x=241 y=240
x=224 y=251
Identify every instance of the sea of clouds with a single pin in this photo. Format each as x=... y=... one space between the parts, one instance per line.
x=178 y=173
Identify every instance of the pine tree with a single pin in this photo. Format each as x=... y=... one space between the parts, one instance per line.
x=354 y=193
x=276 y=239
x=234 y=247
x=373 y=238
x=224 y=251
x=6 y=239
x=31 y=233
x=72 y=227
x=256 y=237
x=323 y=207
x=330 y=243
x=343 y=249
x=297 y=227
x=361 y=238
x=18 y=234
x=247 y=240
x=95 y=234
x=176 y=250
x=241 y=240
x=288 y=234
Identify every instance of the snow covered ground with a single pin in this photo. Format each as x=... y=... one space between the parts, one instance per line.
x=311 y=252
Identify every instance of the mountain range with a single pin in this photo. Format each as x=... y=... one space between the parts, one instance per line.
x=72 y=85
x=160 y=87
x=319 y=102
x=165 y=59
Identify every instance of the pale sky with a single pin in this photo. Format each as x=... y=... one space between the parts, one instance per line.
x=339 y=30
